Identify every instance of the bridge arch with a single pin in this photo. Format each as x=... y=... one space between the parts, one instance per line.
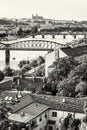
x=28 y=45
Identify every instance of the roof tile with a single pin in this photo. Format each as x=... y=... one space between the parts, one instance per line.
x=70 y=104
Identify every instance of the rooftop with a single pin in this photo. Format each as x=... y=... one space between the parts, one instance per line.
x=18 y=118
x=61 y=103
x=76 y=48
x=23 y=102
x=34 y=109
x=28 y=113
x=35 y=104
x=76 y=51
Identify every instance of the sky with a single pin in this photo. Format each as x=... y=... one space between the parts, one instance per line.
x=55 y=9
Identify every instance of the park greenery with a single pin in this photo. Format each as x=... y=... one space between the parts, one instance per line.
x=69 y=77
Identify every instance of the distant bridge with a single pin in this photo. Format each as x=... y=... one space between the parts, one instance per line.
x=28 y=45
x=64 y=34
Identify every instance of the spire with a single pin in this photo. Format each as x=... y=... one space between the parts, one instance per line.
x=32 y=15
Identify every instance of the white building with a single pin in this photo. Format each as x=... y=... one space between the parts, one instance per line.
x=60 y=107
x=35 y=116
x=42 y=112
x=50 y=58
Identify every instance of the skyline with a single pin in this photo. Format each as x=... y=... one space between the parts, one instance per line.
x=54 y=9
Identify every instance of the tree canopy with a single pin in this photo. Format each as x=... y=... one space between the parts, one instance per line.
x=70 y=123
x=8 y=71
x=1 y=75
x=69 y=76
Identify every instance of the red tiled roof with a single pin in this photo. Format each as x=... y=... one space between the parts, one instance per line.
x=23 y=102
x=76 y=51
x=56 y=103
x=76 y=48
x=34 y=109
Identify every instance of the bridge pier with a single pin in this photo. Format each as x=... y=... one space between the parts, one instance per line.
x=64 y=36
x=33 y=36
x=42 y=36
x=84 y=36
x=7 y=57
x=74 y=36
x=53 y=36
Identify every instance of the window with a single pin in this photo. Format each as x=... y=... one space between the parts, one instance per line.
x=34 y=123
x=54 y=114
x=45 y=116
x=50 y=128
x=40 y=119
x=45 y=128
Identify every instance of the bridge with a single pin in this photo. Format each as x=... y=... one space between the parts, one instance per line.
x=28 y=45
x=64 y=34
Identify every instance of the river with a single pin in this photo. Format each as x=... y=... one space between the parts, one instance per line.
x=16 y=56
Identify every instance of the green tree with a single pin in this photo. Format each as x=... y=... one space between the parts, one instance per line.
x=84 y=76
x=66 y=121
x=40 y=60
x=61 y=76
x=74 y=124
x=8 y=71
x=70 y=123
x=34 y=30
x=23 y=63
x=20 y=32
x=34 y=63
x=82 y=88
x=25 y=69
x=1 y=76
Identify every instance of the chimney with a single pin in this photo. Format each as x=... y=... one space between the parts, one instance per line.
x=19 y=94
x=63 y=101
x=22 y=114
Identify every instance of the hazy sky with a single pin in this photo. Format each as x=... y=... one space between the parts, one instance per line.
x=56 y=9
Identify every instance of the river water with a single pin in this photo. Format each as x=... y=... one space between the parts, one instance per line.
x=16 y=56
